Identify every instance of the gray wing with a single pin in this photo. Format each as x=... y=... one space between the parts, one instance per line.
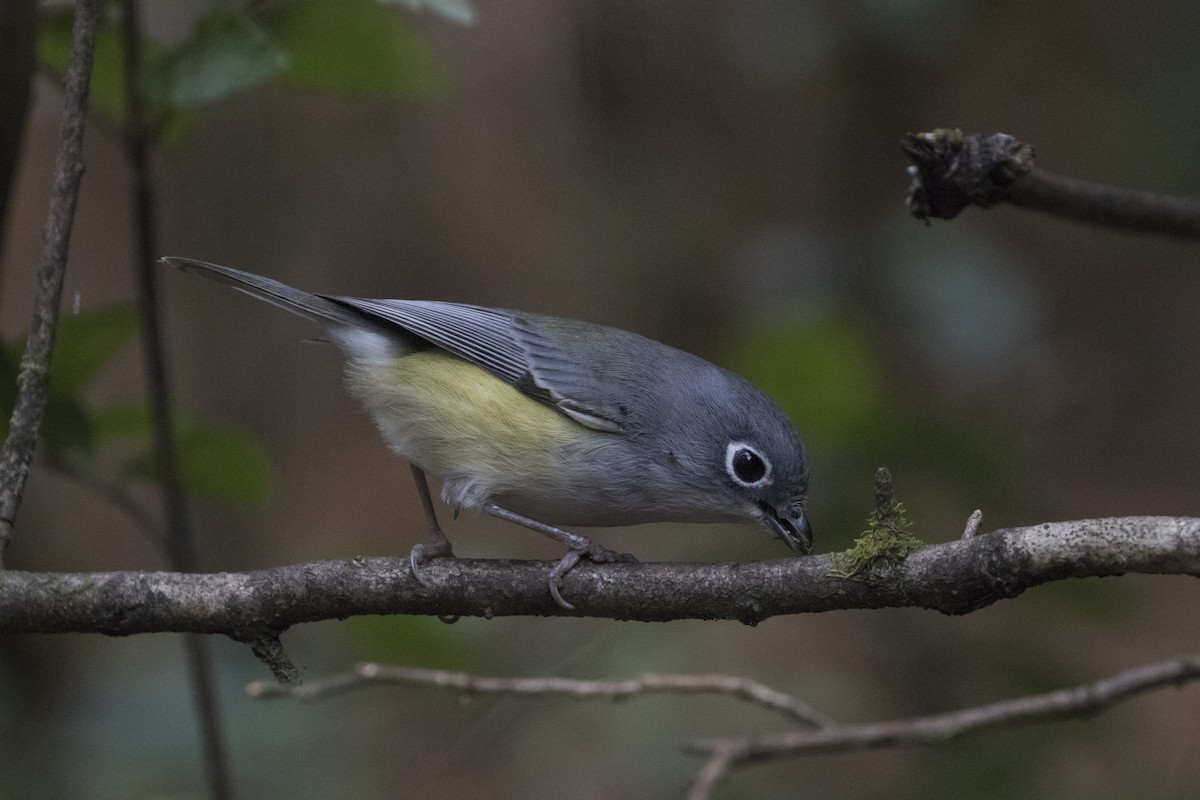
x=551 y=360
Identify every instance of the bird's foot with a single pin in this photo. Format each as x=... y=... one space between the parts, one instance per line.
x=423 y=552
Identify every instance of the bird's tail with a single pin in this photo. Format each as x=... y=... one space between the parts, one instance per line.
x=300 y=302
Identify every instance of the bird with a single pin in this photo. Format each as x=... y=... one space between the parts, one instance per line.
x=552 y=423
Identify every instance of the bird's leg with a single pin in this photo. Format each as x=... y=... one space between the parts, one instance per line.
x=436 y=545
x=577 y=547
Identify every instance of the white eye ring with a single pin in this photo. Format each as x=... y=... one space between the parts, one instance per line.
x=746 y=466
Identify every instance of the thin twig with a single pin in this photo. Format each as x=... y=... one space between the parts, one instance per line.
x=710 y=774
x=203 y=681
x=973 y=523
x=124 y=501
x=181 y=547
x=180 y=541
x=1106 y=206
x=269 y=649
x=17 y=452
x=952 y=170
x=734 y=752
x=364 y=675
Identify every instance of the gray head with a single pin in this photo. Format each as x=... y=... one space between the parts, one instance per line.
x=737 y=451
x=763 y=463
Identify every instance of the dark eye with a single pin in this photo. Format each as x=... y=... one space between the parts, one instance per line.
x=748 y=466
x=745 y=465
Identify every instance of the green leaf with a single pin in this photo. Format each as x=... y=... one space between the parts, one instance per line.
x=54 y=40
x=407 y=639
x=86 y=342
x=354 y=47
x=819 y=370
x=223 y=465
x=122 y=421
x=67 y=437
x=218 y=463
x=106 y=92
x=66 y=432
x=215 y=462
x=459 y=11
x=227 y=53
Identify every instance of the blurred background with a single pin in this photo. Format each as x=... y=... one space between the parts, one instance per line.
x=722 y=176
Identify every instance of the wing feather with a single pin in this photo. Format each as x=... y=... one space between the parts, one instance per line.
x=527 y=351
x=480 y=335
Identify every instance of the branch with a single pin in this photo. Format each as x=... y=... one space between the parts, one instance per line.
x=952 y=170
x=56 y=237
x=821 y=734
x=271 y=652
x=365 y=675
x=955 y=577
x=730 y=753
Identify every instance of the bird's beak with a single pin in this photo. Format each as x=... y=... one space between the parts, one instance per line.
x=791 y=529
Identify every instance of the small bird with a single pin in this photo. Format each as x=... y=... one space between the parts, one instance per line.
x=544 y=421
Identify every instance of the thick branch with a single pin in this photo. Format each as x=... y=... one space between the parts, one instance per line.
x=35 y=364
x=955 y=578
x=952 y=170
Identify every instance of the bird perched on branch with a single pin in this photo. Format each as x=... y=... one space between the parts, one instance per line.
x=550 y=422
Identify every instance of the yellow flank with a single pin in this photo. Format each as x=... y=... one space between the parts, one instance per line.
x=456 y=420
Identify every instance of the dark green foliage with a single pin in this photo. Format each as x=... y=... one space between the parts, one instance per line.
x=216 y=462
x=226 y=53
x=82 y=440
x=346 y=46
x=354 y=47
x=357 y=47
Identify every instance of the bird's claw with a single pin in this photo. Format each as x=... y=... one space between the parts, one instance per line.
x=422 y=553
x=564 y=565
x=415 y=557
x=597 y=554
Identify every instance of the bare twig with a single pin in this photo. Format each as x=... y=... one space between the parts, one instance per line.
x=744 y=689
x=952 y=170
x=269 y=650
x=18 y=449
x=820 y=734
x=973 y=523
x=715 y=767
x=122 y=499
x=201 y=678
x=180 y=541
x=730 y=753
x=954 y=577
x=885 y=494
